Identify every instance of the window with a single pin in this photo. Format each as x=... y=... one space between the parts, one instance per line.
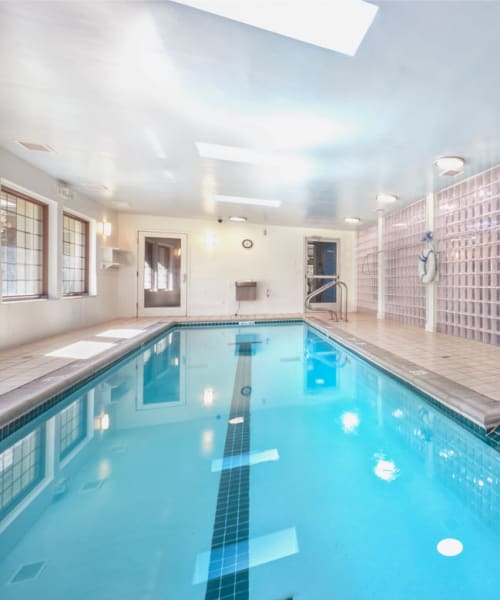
x=23 y=246
x=75 y=255
x=72 y=426
x=22 y=467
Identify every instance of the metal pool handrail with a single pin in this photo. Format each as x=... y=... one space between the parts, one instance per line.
x=342 y=315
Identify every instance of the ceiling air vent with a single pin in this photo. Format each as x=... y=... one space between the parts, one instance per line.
x=35 y=147
x=94 y=187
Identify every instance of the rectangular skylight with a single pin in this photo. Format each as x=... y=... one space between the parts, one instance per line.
x=81 y=350
x=243 y=200
x=261 y=550
x=338 y=25
x=243 y=460
x=284 y=167
x=123 y=334
x=230 y=153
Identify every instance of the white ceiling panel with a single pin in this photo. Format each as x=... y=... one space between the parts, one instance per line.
x=122 y=91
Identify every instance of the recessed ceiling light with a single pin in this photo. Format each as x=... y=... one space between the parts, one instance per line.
x=229 y=153
x=350 y=422
x=252 y=201
x=339 y=26
x=379 y=209
x=281 y=166
x=33 y=146
x=450 y=165
x=238 y=219
x=120 y=204
x=450 y=547
x=386 y=469
x=386 y=198
x=352 y=220
x=155 y=142
x=169 y=175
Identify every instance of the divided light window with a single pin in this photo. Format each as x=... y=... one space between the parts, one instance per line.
x=23 y=246
x=22 y=467
x=72 y=426
x=75 y=256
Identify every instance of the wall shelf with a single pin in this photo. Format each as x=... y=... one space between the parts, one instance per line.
x=110 y=257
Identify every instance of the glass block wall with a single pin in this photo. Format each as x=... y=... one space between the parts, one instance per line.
x=468 y=244
x=366 y=254
x=404 y=293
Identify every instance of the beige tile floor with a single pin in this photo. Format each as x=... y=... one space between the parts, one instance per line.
x=471 y=364
x=20 y=365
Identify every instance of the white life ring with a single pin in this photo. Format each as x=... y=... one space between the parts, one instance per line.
x=427 y=266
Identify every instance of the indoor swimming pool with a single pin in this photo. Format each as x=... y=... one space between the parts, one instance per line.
x=251 y=462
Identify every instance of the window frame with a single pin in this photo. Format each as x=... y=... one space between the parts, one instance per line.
x=86 y=222
x=39 y=475
x=45 y=248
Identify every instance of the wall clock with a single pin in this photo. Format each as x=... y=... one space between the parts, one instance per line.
x=247 y=244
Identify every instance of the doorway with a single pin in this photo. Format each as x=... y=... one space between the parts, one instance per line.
x=322 y=261
x=161 y=275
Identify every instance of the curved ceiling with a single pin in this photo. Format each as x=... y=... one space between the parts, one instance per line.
x=122 y=91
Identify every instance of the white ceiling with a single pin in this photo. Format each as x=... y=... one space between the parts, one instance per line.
x=122 y=90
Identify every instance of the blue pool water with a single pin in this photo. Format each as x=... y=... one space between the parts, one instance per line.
x=260 y=463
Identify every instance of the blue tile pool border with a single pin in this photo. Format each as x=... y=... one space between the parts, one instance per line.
x=51 y=400
x=491 y=439
x=228 y=573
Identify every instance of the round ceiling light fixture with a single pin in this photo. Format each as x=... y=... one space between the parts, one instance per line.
x=238 y=219
x=450 y=165
x=353 y=220
x=384 y=198
x=450 y=547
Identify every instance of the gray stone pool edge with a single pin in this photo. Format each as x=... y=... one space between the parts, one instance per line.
x=476 y=412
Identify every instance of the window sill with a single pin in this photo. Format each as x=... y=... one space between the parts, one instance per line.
x=73 y=296
x=6 y=302
x=23 y=300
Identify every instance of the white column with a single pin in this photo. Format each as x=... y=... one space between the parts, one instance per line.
x=430 y=288
x=380 y=269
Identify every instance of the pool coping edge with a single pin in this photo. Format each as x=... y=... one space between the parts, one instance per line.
x=25 y=402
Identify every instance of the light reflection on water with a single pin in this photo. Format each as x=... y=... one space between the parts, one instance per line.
x=153 y=420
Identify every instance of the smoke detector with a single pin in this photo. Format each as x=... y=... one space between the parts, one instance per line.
x=450 y=165
x=64 y=190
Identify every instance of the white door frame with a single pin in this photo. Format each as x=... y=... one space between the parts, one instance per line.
x=161 y=311
x=308 y=240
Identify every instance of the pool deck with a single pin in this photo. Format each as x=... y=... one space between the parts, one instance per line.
x=460 y=374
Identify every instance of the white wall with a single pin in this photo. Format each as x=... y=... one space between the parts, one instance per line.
x=216 y=259
x=25 y=321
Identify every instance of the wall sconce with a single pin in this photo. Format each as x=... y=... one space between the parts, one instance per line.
x=208 y=396
x=101 y=422
x=104 y=228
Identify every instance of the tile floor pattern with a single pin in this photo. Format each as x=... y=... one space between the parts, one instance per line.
x=468 y=363
x=472 y=364
x=22 y=364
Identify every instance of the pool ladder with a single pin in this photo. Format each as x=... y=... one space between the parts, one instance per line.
x=342 y=304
